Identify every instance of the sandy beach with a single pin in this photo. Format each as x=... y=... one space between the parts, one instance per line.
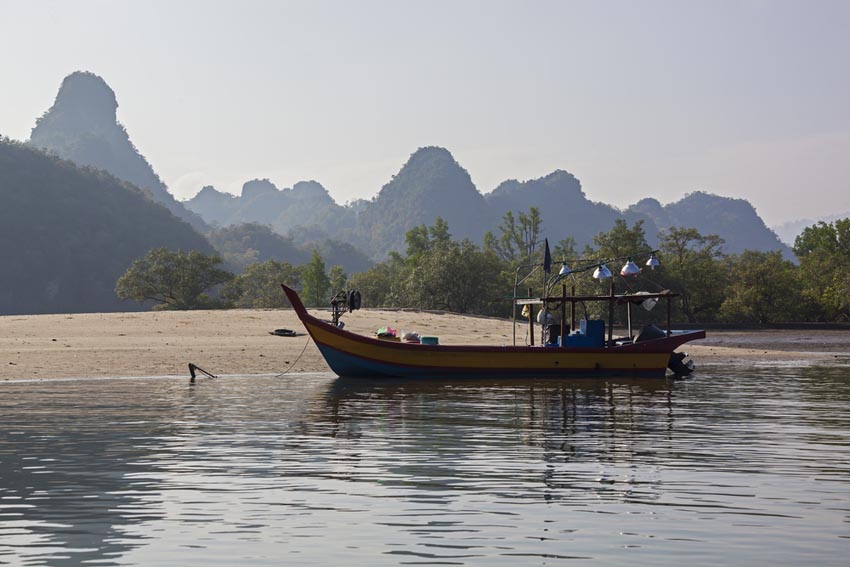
x=239 y=342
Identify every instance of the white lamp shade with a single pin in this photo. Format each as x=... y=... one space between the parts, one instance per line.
x=601 y=272
x=565 y=270
x=630 y=269
x=653 y=261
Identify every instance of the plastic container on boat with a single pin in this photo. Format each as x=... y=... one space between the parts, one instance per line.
x=429 y=340
x=594 y=329
x=577 y=339
x=590 y=335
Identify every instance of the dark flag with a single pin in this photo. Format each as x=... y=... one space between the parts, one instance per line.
x=547 y=257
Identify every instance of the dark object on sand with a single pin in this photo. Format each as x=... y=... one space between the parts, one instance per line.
x=283 y=333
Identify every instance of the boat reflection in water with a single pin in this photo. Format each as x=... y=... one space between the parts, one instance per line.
x=313 y=469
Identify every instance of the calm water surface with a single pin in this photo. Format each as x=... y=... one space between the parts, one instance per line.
x=738 y=465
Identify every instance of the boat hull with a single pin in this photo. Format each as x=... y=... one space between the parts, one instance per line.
x=351 y=355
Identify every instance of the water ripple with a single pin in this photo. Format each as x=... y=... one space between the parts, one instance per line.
x=739 y=465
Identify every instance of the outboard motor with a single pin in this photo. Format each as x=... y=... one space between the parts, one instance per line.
x=650 y=333
x=679 y=365
x=344 y=301
x=354 y=300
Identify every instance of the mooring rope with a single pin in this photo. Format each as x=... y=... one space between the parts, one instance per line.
x=294 y=362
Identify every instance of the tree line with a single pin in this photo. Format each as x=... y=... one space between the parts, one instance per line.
x=438 y=272
x=191 y=280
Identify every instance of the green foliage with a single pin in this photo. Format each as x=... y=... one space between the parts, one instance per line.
x=315 y=282
x=620 y=241
x=693 y=267
x=259 y=286
x=763 y=288
x=565 y=250
x=824 y=253
x=422 y=239
x=438 y=273
x=441 y=273
x=418 y=241
x=519 y=236
x=446 y=274
x=439 y=233
x=383 y=285
x=245 y=244
x=337 y=279
x=456 y=276
x=174 y=280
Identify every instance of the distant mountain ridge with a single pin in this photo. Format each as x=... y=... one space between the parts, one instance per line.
x=82 y=127
x=789 y=231
x=243 y=244
x=432 y=184
x=306 y=204
x=736 y=220
x=564 y=208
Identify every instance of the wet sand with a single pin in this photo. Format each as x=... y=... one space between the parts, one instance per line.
x=238 y=342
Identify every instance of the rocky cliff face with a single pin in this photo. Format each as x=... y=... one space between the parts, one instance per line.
x=82 y=127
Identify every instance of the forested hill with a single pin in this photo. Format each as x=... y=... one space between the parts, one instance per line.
x=564 y=208
x=431 y=184
x=306 y=204
x=82 y=126
x=67 y=234
x=733 y=219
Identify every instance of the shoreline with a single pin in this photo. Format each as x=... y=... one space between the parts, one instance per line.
x=238 y=342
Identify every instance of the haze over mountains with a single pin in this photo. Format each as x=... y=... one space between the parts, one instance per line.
x=68 y=232
x=432 y=184
x=789 y=231
x=82 y=127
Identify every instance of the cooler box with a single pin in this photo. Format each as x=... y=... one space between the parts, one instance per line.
x=591 y=335
x=578 y=340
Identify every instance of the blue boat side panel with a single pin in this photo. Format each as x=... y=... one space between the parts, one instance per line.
x=347 y=365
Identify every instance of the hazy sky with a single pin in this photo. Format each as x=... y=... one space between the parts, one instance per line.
x=636 y=98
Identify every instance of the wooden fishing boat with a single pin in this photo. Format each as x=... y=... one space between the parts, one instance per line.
x=352 y=355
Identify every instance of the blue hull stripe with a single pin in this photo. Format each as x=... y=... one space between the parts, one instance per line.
x=344 y=364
